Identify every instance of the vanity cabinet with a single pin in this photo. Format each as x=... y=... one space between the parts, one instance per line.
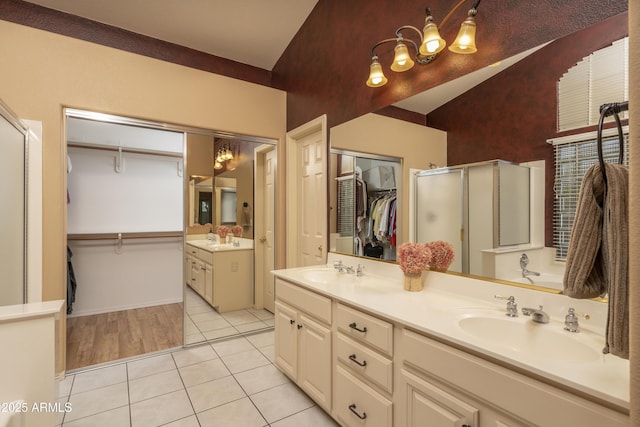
x=363 y=347
x=435 y=381
x=368 y=369
x=224 y=279
x=303 y=340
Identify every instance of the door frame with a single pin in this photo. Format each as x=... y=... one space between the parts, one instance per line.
x=292 y=178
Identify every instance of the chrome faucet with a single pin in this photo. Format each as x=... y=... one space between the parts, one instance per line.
x=571 y=320
x=512 y=307
x=524 y=262
x=338 y=265
x=537 y=315
x=359 y=272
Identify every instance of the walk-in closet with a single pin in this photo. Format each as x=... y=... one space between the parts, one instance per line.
x=364 y=194
x=124 y=238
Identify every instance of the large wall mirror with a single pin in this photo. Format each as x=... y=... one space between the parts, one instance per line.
x=231 y=184
x=494 y=117
x=13 y=249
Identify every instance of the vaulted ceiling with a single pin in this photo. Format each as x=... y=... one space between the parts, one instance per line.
x=317 y=51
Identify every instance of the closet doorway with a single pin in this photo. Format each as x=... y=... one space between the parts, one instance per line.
x=128 y=222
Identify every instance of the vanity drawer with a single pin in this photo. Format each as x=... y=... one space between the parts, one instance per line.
x=366 y=328
x=378 y=369
x=357 y=404
x=310 y=302
x=206 y=256
x=191 y=250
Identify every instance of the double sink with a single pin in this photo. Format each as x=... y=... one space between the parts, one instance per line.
x=512 y=336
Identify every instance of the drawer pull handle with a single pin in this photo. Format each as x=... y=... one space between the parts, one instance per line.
x=354 y=326
x=291 y=322
x=354 y=360
x=352 y=408
x=299 y=327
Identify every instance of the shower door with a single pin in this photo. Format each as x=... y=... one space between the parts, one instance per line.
x=440 y=211
x=13 y=144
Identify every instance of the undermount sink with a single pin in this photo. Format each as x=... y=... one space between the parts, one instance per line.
x=545 y=341
x=323 y=275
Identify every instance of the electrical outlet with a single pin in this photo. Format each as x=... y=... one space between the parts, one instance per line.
x=234 y=267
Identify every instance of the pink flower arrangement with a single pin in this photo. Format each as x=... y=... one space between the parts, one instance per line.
x=222 y=231
x=236 y=230
x=413 y=257
x=442 y=254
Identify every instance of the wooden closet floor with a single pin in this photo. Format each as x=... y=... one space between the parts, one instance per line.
x=106 y=337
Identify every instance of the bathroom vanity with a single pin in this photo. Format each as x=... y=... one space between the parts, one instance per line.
x=222 y=274
x=372 y=354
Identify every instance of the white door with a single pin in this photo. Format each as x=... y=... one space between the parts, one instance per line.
x=265 y=183
x=269 y=225
x=307 y=194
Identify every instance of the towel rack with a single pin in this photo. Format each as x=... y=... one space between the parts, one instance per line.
x=607 y=110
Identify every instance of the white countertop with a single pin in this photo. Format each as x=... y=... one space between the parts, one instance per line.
x=207 y=245
x=18 y=312
x=448 y=298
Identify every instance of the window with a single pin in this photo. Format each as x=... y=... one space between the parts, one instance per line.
x=573 y=156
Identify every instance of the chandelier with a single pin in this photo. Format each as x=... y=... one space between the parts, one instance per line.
x=428 y=46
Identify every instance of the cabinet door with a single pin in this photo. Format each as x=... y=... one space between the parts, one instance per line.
x=422 y=403
x=286 y=339
x=208 y=283
x=188 y=259
x=314 y=360
x=200 y=280
x=193 y=277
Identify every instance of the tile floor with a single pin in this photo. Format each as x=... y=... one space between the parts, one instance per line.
x=225 y=383
x=203 y=323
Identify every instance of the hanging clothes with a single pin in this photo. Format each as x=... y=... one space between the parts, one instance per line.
x=71 y=283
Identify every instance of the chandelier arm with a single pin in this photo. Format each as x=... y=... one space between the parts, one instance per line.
x=409 y=27
x=456 y=7
x=381 y=42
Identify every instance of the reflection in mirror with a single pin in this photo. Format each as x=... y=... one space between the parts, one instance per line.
x=364 y=193
x=200 y=200
x=484 y=121
x=479 y=209
x=222 y=260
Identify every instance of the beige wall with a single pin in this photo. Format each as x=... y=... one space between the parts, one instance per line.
x=416 y=145
x=43 y=72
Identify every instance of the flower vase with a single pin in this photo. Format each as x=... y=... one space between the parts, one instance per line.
x=413 y=282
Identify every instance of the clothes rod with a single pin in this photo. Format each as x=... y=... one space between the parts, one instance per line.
x=122 y=236
x=124 y=149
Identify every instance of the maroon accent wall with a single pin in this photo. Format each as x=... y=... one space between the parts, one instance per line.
x=402 y=114
x=28 y=14
x=511 y=115
x=325 y=67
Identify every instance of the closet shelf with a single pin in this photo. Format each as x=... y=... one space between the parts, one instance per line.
x=123 y=149
x=123 y=236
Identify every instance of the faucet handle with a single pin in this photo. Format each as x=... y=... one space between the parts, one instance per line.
x=512 y=307
x=571 y=320
x=510 y=298
x=337 y=264
x=572 y=312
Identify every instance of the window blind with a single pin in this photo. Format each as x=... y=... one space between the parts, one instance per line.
x=572 y=160
x=346 y=205
x=600 y=78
